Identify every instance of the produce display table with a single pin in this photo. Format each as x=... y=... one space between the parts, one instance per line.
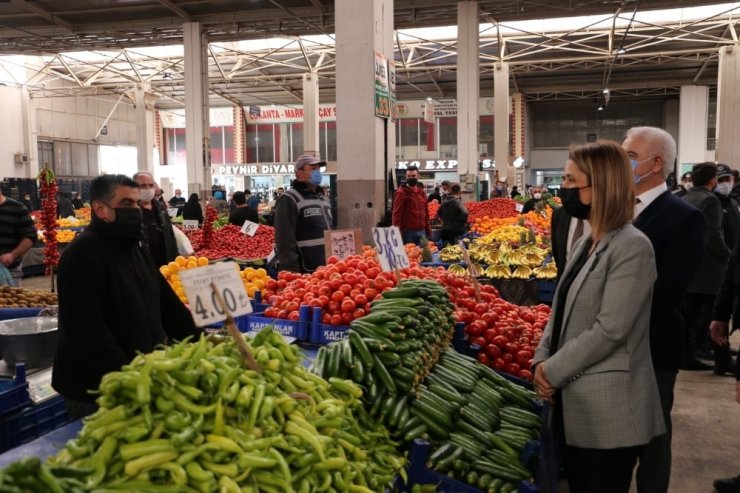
x=32 y=261
x=44 y=446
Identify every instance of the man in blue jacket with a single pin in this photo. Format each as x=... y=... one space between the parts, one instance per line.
x=678 y=235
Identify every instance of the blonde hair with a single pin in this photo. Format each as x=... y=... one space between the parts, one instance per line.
x=607 y=167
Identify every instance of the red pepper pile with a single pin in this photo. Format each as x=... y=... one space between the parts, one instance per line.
x=229 y=241
x=48 y=188
x=491 y=208
x=211 y=217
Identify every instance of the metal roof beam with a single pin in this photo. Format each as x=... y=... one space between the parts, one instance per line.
x=55 y=19
x=174 y=8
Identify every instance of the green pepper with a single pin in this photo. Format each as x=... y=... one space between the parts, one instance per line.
x=133 y=450
x=231 y=393
x=197 y=473
x=144 y=386
x=133 y=467
x=177 y=473
x=259 y=395
x=186 y=436
x=209 y=382
x=100 y=460
x=183 y=403
x=163 y=405
x=187 y=457
x=255 y=461
x=135 y=433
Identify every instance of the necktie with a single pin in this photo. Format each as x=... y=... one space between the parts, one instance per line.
x=577 y=233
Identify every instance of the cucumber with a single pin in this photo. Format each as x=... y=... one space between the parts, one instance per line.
x=472 y=448
x=439 y=454
x=472 y=478
x=387 y=404
x=520 y=417
x=385 y=378
x=495 y=485
x=466 y=427
x=415 y=433
x=516 y=398
x=411 y=422
x=358 y=370
x=361 y=348
x=508 y=488
x=447 y=463
x=448 y=394
x=499 y=471
x=501 y=445
x=333 y=359
x=431 y=421
x=395 y=413
x=318 y=363
x=403 y=418
x=403 y=292
x=377 y=343
x=389 y=359
x=347 y=357
x=380 y=317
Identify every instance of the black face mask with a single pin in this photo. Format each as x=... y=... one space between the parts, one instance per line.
x=572 y=203
x=126 y=229
x=412 y=182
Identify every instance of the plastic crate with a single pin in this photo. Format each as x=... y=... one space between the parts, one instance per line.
x=546 y=291
x=12 y=313
x=419 y=473
x=14 y=393
x=298 y=328
x=32 y=422
x=323 y=333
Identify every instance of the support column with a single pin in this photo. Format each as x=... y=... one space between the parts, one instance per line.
x=311 y=114
x=366 y=144
x=728 y=105
x=692 y=126
x=518 y=130
x=144 y=127
x=197 y=130
x=501 y=118
x=239 y=135
x=468 y=94
x=30 y=143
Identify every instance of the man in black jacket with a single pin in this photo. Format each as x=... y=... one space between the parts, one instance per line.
x=677 y=233
x=730 y=214
x=158 y=233
x=113 y=302
x=242 y=212
x=454 y=215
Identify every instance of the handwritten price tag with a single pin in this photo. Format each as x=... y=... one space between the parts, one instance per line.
x=519 y=208
x=249 y=228
x=190 y=224
x=342 y=243
x=390 y=248
x=203 y=301
x=172 y=212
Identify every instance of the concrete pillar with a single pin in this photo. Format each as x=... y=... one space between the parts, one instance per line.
x=468 y=92
x=501 y=118
x=311 y=114
x=728 y=106
x=692 y=126
x=197 y=130
x=518 y=130
x=239 y=156
x=144 y=102
x=30 y=144
x=366 y=144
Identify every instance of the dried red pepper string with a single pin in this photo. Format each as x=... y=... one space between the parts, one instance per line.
x=48 y=188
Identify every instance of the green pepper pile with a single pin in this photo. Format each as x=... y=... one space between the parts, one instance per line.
x=192 y=417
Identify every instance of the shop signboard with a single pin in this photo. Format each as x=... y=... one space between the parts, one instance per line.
x=392 y=89
x=342 y=243
x=382 y=94
x=445 y=108
x=253 y=169
x=288 y=114
x=429 y=164
x=486 y=165
x=199 y=286
x=217 y=116
x=391 y=251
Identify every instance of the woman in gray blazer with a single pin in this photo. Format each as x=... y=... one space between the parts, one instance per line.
x=593 y=362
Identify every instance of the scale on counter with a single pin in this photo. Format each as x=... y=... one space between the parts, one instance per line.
x=39 y=386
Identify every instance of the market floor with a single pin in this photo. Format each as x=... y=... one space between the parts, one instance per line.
x=706 y=426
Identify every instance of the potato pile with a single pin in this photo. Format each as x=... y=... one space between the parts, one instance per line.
x=11 y=297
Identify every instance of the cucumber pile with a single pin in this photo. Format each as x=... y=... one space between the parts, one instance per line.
x=477 y=421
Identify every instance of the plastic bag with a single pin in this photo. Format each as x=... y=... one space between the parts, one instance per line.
x=6 y=278
x=184 y=247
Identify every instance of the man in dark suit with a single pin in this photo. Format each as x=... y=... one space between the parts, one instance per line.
x=677 y=233
x=565 y=230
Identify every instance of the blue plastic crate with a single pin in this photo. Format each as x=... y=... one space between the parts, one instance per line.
x=12 y=313
x=14 y=393
x=32 y=422
x=323 y=333
x=419 y=474
x=546 y=291
x=298 y=329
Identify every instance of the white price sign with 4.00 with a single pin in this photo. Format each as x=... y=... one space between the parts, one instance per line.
x=391 y=252
x=249 y=228
x=203 y=300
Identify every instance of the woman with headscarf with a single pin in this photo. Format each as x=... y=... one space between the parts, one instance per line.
x=192 y=209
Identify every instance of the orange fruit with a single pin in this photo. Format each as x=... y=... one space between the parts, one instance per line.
x=202 y=261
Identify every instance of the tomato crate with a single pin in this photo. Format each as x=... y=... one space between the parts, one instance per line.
x=324 y=333
x=291 y=328
x=14 y=393
x=32 y=422
x=418 y=472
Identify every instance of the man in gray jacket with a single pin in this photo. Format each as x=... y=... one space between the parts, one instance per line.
x=702 y=291
x=454 y=215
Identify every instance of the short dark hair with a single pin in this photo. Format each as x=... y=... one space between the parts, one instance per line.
x=239 y=198
x=104 y=187
x=455 y=189
x=703 y=173
x=412 y=168
x=247 y=192
x=736 y=173
x=446 y=183
x=686 y=175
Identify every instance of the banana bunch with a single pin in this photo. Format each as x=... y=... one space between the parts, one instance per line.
x=497 y=272
x=548 y=271
x=450 y=254
x=522 y=272
x=457 y=270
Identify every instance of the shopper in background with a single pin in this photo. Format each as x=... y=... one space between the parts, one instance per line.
x=113 y=303
x=158 y=234
x=192 y=211
x=276 y=195
x=515 y=192
x=700 y=294
x=159 y=196
x=17 y=235
x=253 y=200
x=302 y=214
x=219 y=202
x=64 y=206
x=685 y=185
x=730 y=208
x=536 y=198
x=736 y=187
x=444 y=188
x=454 y=215
x=593 y=362
x=77 y=201
x=177 y=200
x=410 y=211
x=499 y=190
x=678 y=235
x=28 y=202
x=242 y=212
x=435 y=195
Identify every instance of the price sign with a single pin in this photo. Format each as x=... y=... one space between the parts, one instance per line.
x=204 y=302
x=342 y=243
x=390 y=248
x=249 y=228
x=519 y=208
x=172 y=212
x=190 y=224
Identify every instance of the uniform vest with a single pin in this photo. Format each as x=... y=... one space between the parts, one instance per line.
x=314 y=217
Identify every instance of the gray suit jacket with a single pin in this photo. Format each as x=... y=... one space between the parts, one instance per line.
x=603 y=366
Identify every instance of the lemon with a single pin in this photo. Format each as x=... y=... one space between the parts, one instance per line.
x=202 y=261
x=261 y=273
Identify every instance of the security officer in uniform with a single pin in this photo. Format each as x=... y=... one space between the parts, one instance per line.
x=302 y=214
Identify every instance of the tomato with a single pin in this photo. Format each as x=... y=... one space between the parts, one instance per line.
x=478 y=341
x=359 y=312
x=346 y=318
x=360 y=299
x=499 y=364
x=482 y=358
x=381 y=283
x=500 y=341
x=490 y=318
x=293 y=315
x=507 y=357
x=512 y=347
x=337 y=296
x=345 y=288
x=513 y=369
x=348 y=306
x=332 y=260
x=490 y=334
x=370 y=293
x=493 y=351
x=326 y=319
x=525 y=374
x=336 y=319
x=480 y=308
x=475 y=329
x=333 y=306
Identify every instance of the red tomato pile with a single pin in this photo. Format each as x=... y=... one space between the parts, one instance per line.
x=229 y=241
x=211 y=217
x=491 y=208
x=343 y=289
x=48 y=189
x=433 y=207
